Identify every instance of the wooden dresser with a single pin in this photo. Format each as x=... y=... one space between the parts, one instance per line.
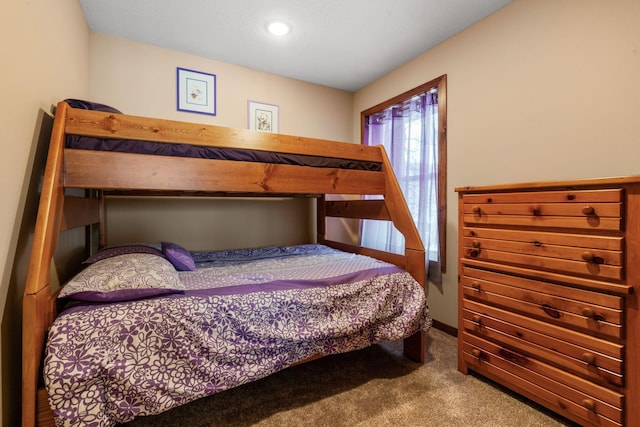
x=549 y=277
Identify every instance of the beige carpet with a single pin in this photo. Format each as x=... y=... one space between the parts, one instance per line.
x=376 y=386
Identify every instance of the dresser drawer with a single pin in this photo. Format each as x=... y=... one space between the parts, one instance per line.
x=584 y=209
x=591 y=312
x=541 y=239
x=586 y=356
x=599 y=257
x=580 y=397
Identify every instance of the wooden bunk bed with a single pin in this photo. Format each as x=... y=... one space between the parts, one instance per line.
x=105 y=172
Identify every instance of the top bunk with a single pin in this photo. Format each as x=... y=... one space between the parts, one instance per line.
x=260 y=164
x=265 y=163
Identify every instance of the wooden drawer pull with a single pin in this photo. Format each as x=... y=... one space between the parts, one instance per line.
x=588 y=312
x=477 y=319
x=551 y=311
x=588 y=357
x=476 y=353
x=475 y=286
x=513 y=357
x=588 y=256
x=591 y=257
x=475 y=244
x=589 y=404
x=475 y=209
x=588 y=210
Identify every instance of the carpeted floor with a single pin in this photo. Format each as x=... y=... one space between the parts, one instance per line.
x=376 y=386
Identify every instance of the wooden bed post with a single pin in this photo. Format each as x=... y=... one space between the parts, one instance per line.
x=414 y=346
x=38 y=303
x=414 y=248
x=321 y=219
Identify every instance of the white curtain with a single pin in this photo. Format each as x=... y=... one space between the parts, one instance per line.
x=409 y=134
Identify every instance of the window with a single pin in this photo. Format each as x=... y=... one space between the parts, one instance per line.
x=412 y=128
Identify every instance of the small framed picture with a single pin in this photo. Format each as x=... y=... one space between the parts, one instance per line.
x=196 y=92
x=263 y=117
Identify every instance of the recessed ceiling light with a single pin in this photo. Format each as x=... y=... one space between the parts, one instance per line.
x=278 y=28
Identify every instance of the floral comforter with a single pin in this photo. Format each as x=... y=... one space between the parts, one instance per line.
x=108 y=363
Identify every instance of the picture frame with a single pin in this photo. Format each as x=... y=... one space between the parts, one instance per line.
x=263 y=117
x=196 y=91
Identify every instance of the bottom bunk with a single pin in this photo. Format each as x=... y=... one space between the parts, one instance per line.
x=146 y=328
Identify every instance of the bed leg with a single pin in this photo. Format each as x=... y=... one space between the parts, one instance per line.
x=414 y=347
x=45 y=416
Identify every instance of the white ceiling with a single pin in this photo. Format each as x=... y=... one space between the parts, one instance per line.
x=343 y=44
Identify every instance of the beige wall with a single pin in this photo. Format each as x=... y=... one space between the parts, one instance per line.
x=197 y=224
x=44 y=49
x=141 y=79
x=540 y=90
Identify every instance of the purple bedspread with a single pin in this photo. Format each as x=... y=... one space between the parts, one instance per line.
x=108 y=363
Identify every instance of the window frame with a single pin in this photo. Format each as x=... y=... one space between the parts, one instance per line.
x=439 y=83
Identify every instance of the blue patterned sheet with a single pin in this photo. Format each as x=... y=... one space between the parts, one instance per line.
x=108 y=363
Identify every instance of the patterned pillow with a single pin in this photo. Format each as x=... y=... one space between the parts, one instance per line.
x=111 y=251
x=179 y=256
x=123 y=278
x=90 y=105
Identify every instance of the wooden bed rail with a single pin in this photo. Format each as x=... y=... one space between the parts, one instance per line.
x=119 y=126
x=393 y=207
x=399 y=210
x=110 y=170
x=49 y=212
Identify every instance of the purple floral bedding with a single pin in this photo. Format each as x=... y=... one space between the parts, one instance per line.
x=241 y=316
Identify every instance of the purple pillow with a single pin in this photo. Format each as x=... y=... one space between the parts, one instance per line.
x=111 y=251
x=88 y=105
x=179 y=256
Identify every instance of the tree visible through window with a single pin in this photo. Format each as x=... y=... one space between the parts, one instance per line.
x=412 y=128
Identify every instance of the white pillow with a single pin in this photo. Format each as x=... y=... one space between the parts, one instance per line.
x=123 y=278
